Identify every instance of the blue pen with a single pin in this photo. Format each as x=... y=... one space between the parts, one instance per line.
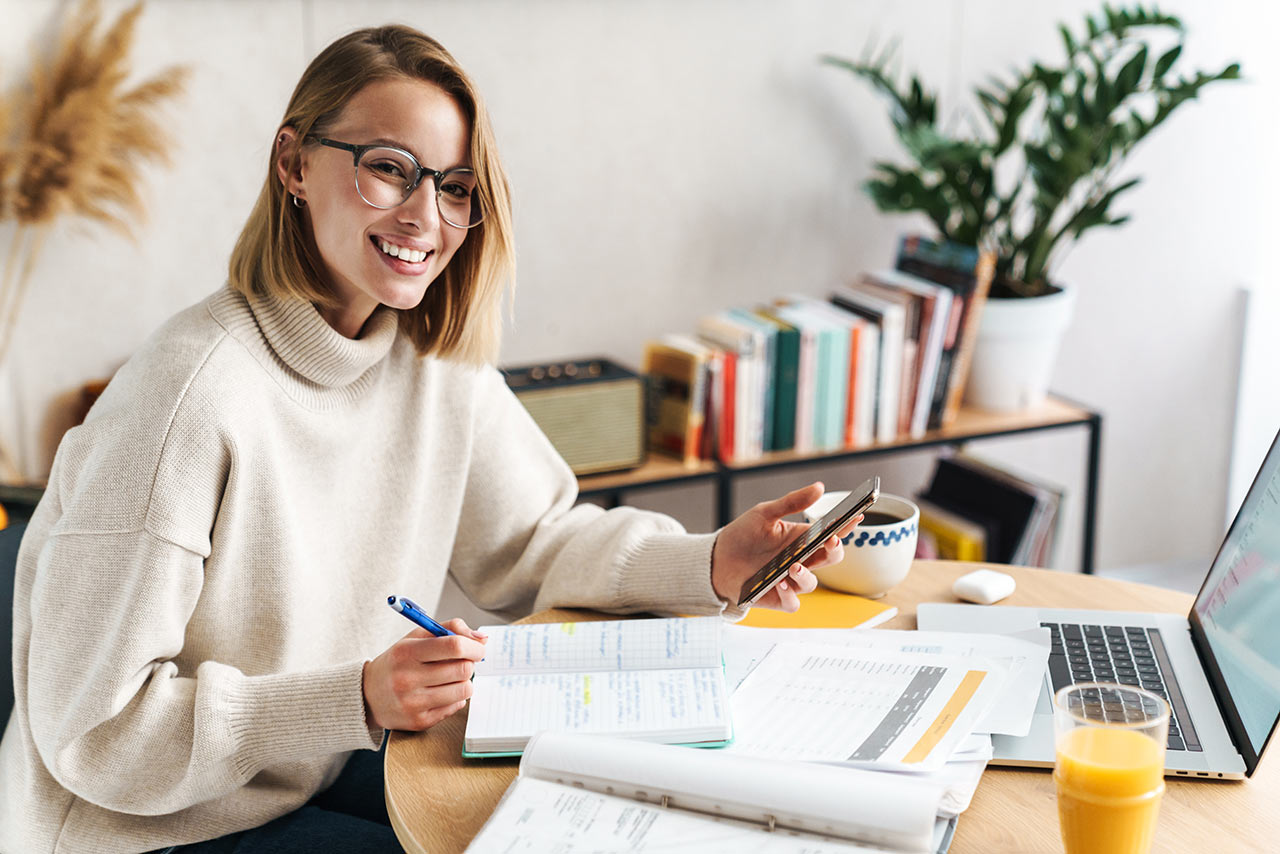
x=417 y=615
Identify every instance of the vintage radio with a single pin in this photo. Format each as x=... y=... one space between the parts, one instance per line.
x=592 y=410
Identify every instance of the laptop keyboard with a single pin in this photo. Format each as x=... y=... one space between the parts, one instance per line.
x=1128 y=655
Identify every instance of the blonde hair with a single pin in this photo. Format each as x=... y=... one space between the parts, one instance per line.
x=461 y=314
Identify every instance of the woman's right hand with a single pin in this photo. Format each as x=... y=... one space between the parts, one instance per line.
x=422 y=679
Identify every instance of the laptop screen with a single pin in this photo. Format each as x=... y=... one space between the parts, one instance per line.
x=1238 y=610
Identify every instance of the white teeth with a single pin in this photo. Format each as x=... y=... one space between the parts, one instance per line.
x=404 y=253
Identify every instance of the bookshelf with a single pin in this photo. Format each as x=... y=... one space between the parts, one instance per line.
x=1056 y=413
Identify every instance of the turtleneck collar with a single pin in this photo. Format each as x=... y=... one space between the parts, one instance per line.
x=297 y=335
x=309 y=345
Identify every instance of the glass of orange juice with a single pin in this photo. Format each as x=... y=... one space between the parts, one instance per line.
x=1110 y=766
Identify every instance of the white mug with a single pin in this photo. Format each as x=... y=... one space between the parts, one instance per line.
x=876 y=557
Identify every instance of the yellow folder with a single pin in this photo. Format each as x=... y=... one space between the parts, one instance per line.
x=822 y=609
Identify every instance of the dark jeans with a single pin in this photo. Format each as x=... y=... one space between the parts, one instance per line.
x=349 y=817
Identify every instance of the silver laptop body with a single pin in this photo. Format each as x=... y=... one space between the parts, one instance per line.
x=1225 y=655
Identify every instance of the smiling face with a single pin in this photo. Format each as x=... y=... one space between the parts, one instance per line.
x=372 y=256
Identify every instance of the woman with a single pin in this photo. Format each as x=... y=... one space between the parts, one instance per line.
x=201 y=635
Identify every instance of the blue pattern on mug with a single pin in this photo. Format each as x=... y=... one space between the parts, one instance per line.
x=879 y=538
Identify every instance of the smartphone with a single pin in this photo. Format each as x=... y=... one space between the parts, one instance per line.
x=809 y=541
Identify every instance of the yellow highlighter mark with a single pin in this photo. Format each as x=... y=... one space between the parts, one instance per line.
x=586 y=690
x=569 y=628
x=947 y=717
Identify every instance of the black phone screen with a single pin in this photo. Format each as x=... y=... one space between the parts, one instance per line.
x=809 y=541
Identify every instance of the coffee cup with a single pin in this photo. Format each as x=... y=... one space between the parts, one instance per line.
x=878 y=552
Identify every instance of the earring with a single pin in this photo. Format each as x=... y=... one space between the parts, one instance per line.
x=298 y=203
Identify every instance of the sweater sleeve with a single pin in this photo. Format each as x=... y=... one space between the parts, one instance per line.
x=522 y=544
x=120 y=724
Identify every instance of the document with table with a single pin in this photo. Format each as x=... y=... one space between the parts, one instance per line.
x=872 y=707
x=654 y=680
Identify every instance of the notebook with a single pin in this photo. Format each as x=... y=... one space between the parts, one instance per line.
x=1218 y=667
x=588 y=793
x=653 y=680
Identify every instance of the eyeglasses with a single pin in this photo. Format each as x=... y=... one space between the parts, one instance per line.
x=386 y=177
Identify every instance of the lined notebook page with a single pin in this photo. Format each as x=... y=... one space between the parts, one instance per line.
x=606 y=645
x=637 y=702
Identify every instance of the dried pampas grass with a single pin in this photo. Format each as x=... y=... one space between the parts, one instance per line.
x=79 y=139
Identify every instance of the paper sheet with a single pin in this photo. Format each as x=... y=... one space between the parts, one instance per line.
x=871 y=707
x=1020 y=657
x=643 y=703
x=539 y=816
x=602 y=645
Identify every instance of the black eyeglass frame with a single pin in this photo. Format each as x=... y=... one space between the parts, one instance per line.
x=357 y=151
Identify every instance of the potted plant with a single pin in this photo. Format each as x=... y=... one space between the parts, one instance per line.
x=1038 y=169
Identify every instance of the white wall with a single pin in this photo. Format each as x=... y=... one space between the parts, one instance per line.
x=672 y=158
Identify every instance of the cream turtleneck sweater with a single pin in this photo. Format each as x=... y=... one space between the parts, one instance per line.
x=207 y=573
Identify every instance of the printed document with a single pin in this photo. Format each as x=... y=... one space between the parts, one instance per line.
x=880 y=708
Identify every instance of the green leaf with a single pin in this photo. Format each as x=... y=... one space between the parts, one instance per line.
x=1067 y=42
x=1166 y=61
x=1130 y=75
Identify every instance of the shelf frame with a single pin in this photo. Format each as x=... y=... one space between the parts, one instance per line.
x=1056 y=413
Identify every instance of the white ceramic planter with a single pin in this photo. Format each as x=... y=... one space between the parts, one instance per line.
x=1016 y=348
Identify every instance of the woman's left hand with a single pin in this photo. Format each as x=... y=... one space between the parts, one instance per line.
x=748 y=542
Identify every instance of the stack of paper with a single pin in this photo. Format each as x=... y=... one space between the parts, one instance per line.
x=917 y=704
x=844 y=738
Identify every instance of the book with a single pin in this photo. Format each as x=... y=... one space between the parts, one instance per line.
x=658 y=680
x=968 y=273
x=806 y=373
x=766 y=336
x=935 y=315
x=834 y=343
x=749 y=342
x=860 y=378
x=1034 y=548
x=740 y=345
x=909 y=373
x=676 y=368
x=724 y=406
x=786 y=371
x=954 y=537
x=823 y=608
x=890 y=317
x=1020 y=510
x=713 y=408
x=585 y=793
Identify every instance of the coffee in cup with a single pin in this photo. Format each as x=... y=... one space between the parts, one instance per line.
x=878 y=552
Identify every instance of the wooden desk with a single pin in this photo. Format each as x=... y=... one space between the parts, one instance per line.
x=438 y=801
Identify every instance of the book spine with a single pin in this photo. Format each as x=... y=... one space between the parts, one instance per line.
x=983 y=275
x=697 y=414
x=806 y=391
x=868 y=383
x=729 y=398
x=669 y=398
x=839 y=390
x=907 y=387
x=784 y=399
x=851 y=393
x=769 y=379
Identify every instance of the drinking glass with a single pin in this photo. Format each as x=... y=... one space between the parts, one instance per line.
x=1109 y=770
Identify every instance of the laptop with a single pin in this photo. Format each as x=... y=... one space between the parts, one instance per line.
x=1218 y=667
